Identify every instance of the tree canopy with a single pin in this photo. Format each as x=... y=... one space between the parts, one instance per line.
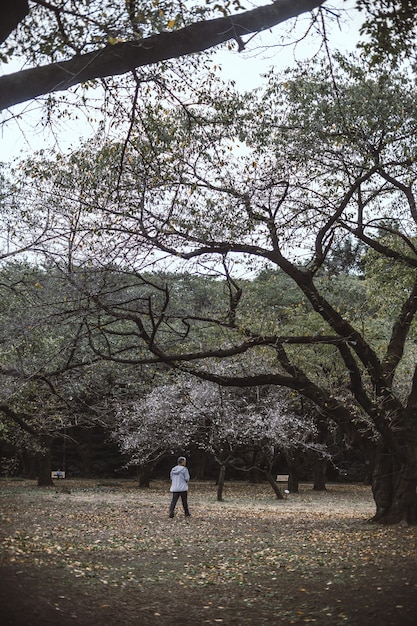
x=69 y=43
x=107 y=39
x=278 y=178
x=318 y=167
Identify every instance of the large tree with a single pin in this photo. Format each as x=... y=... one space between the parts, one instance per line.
x=280 y=178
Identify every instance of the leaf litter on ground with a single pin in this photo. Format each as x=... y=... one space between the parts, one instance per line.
x=250 y=559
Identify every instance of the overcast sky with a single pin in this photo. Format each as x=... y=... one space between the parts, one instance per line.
x=288 y=43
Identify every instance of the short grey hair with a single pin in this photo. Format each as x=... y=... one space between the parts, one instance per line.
x=181 y=459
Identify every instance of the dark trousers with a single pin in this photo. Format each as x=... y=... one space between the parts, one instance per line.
x=175 y=495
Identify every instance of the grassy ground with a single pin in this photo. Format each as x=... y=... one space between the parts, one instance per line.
x=107 y=554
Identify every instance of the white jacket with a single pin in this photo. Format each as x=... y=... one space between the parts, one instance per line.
x=180 y=477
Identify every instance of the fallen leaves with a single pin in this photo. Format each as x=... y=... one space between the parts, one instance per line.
x=245 y=551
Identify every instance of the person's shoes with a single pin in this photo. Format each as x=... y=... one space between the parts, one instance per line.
x=171 y=516
x=188 y=515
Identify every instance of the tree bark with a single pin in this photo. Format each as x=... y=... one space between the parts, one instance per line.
x=294 y=466
x=274 y=485
x=255 y=476
x=144 y=477
x=293 y=482
x=44 y=459
x=12 y=13
x=199 y=465
x=394 y=485
x=123 y=57
x=319 y=474
x=29 y=464
x=220 y=483
x=85 y=456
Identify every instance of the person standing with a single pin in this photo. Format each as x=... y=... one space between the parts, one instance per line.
x=179 y=486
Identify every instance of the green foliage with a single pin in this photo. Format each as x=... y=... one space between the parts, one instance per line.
x=387 y=281
x=271 y=302
x=77 y=27
x=390 y=28
x=356 y=112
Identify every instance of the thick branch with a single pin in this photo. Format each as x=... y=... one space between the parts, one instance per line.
x=400 y=332
x=407 y=191
x=12 y=12
x=18 y=419
x=320 y=397
x=220 y=353
x=123 y=57
x=411 y=409
x=381 y=248
x=327 y=227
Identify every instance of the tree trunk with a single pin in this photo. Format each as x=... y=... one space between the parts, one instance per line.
x=44 y=475
x=294 y=475
x=220 y=483
x=370 y=452
x=319 y=475
x=144 y=476
x=293 y=483
x=367 y=479
x=295 y=464
x=29 y=464
x=394 y=486
x=274 y=485
x=85 y=454
x=255 y=476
